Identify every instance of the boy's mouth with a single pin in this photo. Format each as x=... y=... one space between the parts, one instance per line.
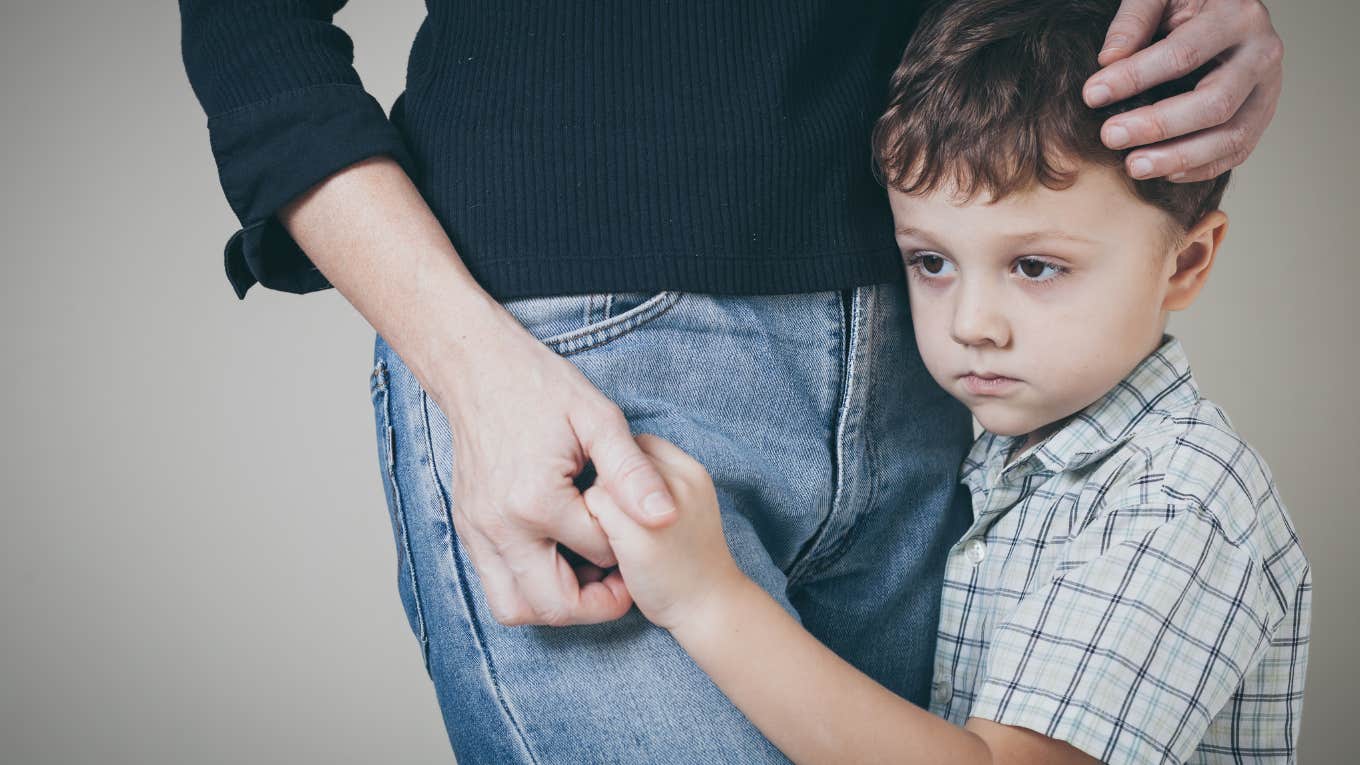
x=987 y=383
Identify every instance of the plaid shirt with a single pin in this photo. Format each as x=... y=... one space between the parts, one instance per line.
x=1131 y=585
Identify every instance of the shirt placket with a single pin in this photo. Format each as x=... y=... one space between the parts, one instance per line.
x=965 y=562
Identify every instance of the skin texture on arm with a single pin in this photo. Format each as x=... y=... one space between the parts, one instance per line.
x=524 y=420
x=811 y=703
x=817 y=708
x=1202 y=134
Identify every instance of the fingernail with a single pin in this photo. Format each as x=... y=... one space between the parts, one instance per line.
x=1116 y=137
x=655 y=505
x=1141 y=167
x=1098 y=95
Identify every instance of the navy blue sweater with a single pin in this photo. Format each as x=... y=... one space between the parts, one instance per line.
x=570 y=147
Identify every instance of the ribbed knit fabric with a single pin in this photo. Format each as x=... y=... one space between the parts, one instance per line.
x=569 y=147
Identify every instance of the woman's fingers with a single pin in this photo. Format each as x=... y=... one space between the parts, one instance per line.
x=555 y=596
x=618 y=527
x=1186 y=49
x=1203 y=133
x=669 y=455
x=1132 y=28
x=623 y=469
x=575 y=528
x=1214 y=101
x=1210 y=153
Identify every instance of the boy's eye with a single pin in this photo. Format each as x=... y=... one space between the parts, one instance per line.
x=931 y=263
x=1038 y=270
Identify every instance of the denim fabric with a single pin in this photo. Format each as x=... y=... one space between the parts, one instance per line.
x=835 y=457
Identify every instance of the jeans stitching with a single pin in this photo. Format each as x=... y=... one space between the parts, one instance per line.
x=848 y=335
x=465 y=593
x=380 y=380
x=830 y=557
x=616 y=327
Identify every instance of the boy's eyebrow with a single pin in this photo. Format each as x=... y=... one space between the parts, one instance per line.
x=1018 y=239
x=1038 y=236
x=916 y=232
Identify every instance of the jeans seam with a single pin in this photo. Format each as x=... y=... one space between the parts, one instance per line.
x=595 y=337
x=848 y=335
x=381 y=380
x=465 y=593
x=830 y=557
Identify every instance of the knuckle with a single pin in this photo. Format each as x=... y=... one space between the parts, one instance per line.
x=1237 y=142
x=1253 y=12
x=1274 y=51
x=1176 y=162
x=1129 y=17
x=517 y=513
x=524 y=505
x=1184 y=58
x=1220 y=105
x=507 y=614
x=1216 y=168
x=611 y=417
x=1133 y=78
x=1157 y=123
x=555 y=616
x=633 y=465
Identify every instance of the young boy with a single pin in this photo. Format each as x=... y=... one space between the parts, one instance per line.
x=1132 y=588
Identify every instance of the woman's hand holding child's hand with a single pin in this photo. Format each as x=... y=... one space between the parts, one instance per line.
x=672 y=573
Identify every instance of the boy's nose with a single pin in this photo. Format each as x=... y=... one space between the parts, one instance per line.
x=977 y=321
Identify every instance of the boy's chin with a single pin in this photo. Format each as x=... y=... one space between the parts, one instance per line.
x=1008 y=423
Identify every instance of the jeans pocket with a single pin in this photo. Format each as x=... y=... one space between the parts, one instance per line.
x=571 y=324
x=407 y=585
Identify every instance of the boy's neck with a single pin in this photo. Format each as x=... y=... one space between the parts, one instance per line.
x=1032 y=438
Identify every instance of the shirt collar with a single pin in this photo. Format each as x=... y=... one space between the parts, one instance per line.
x=1160 y=381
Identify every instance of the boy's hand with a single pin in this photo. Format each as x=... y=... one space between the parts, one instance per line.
x=1198 y=135
x=672 y=573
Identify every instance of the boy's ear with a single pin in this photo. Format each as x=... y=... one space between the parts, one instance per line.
x=1193 y=260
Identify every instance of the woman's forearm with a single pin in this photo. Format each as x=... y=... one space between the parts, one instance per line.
x=372 y=235
x=815 y=706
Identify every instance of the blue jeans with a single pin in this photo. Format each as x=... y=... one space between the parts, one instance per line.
x=835 y=457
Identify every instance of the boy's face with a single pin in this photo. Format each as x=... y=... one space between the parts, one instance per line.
x=1030 y=308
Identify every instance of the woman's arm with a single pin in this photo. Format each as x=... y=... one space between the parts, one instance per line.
x=521 y=415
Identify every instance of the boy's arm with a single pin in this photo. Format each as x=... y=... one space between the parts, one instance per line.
x=816 y=707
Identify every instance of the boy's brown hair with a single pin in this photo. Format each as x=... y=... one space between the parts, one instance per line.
x=988 y=97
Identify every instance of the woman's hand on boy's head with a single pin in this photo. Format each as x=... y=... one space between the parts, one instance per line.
x=671 y=573
x=1198 y=135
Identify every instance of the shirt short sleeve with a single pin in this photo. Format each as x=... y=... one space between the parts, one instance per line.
x=285 y=109
x=1129 y=655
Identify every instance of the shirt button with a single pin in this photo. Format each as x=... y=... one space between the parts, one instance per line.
x=975 y=550
x=941 y=691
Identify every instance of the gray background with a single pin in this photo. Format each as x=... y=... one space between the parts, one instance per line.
x=197 y=561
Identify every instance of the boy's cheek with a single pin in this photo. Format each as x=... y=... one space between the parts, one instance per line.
x=932 y=340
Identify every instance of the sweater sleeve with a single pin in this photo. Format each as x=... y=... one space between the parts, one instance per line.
x=285 y=109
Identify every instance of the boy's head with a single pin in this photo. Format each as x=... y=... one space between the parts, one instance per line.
x=1040 y=272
